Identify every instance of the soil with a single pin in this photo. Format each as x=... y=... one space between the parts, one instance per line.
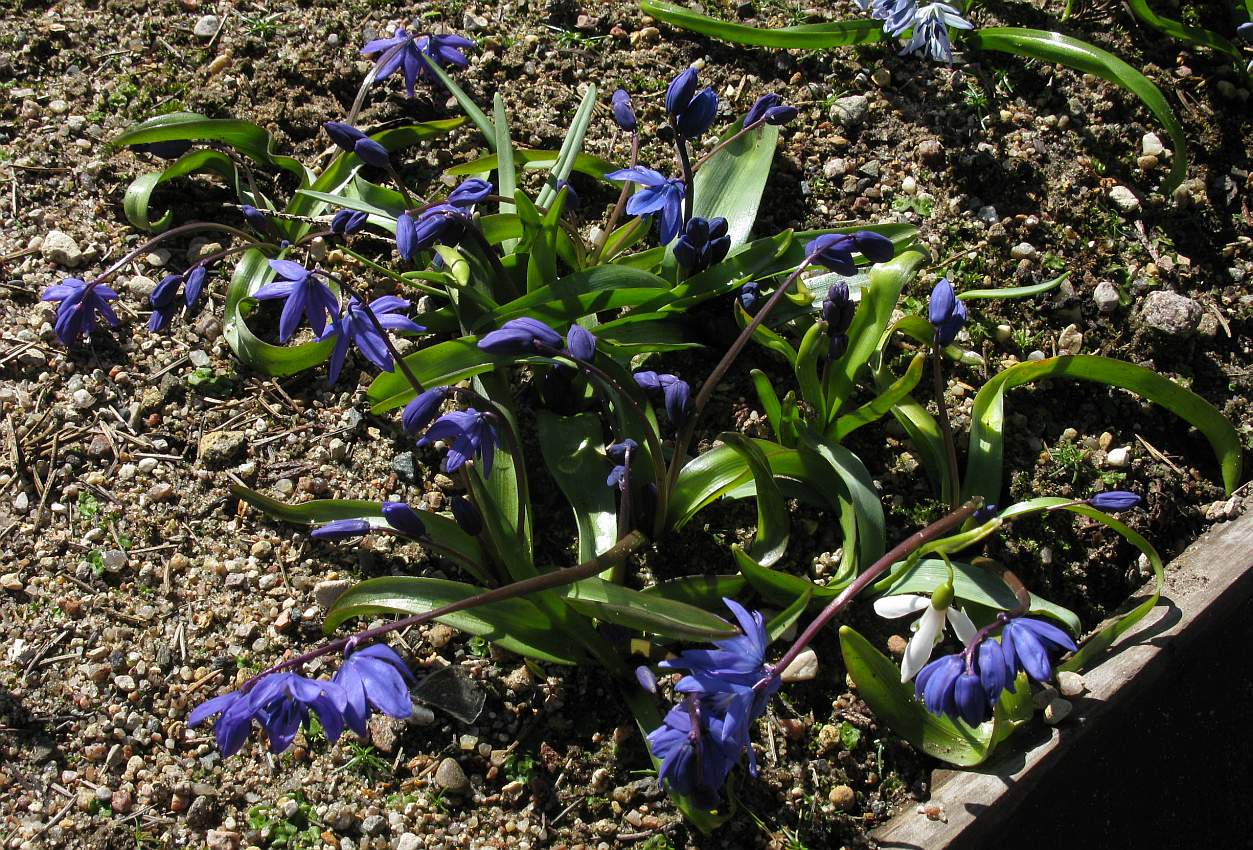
x=134 y=586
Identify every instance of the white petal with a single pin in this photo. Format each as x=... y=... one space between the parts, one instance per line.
x=918 y=653
x=900 y=606
x=962 y=626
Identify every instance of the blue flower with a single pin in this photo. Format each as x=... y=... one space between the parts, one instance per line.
x=404 y=51
x=693 y=762
x=946 y=312
x=621 y=454
x=467 y=516
x=164 y=299
x=1114 y=500
x=355 y=328
x=897 y=15
x=580 y=343
x=770 y=109
x=403 y=519
x=471 y=435
x=257 y=218
x=306 y=296
x=520 y=336
x=399 y=516
x=738 y=660
x=341 y=529
x=80 y=305
x=750 y=294
x=835 y=250
x=442 y=224
x=691 y=111
x=469 y=192
x=374 y=677
x=1028 y=643
x=348 y=222
x=351 y=140
x=280 y=703
x=623 y=114
x=930 y=34
x=657 y=194
x=675 y=393
x=837 y=311
x=704 y=243
x=646 y=678
x=423 y=409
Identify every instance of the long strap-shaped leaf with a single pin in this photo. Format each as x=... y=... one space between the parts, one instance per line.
x=1181 y=31
x=987 y=436
x=805 y=36
x=570 y=148
x=1055 y=47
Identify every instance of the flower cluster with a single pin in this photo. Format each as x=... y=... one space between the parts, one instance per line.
x=691 y=111
x=306 y=296
x=703 y=243
x=354 y=327
x=930 y=24
x=725 y=690
x=371 y=678
x=440 y=224
x=409 y=53
x=837 y=311
x=946 y=312
x=835 y=250
x=674 y=393
x=967 y=685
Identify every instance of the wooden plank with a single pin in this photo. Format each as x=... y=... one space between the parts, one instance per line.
x=1204 y=586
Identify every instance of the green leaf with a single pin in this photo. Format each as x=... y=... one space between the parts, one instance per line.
x=442 y=531
x=1084 y=57
x=507 y=178
x=436 y=366
x=787 y=618
x=467 y=104
x=517 y=625
x=805 y=36
x=987 y=438
x=644 y=333
x=203 y=161
x=251 y=273
x=1191 y=35
x=580 y=294
x=647 y=612
x=856 y=490
x=881 y=404
x=571 y=146
x=1014 y=291
x=924 y=433
x=971 y=584
x=572 y=449
x=777 y=586
x=879 y=683
x=769 y=399
x=592 y=166
x=808 y=365
x=703 y=591
x=770 y=542
x=731 y=182
x=243 y=136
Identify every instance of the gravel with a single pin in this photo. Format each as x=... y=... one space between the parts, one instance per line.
x=1170 y=313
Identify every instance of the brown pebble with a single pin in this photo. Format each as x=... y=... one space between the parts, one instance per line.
x=896 y=646
x=843 y=797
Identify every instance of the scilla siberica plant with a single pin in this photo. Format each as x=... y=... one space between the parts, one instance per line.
x=511 y=282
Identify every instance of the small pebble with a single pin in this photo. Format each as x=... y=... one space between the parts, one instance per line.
x=1070 y=683
x=1057 y=711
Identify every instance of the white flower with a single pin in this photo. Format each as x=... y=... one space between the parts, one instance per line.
x=928 y=630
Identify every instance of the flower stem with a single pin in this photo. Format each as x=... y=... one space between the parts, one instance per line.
x=621 y=204
x=609 y=559
x=719 y=372
x=380 y=330
x=685 y=167
x=946 y=430
x=190 y=227
x=942 y=526
x=739 y=134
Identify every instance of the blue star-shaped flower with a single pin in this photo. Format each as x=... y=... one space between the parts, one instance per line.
x=657 y=194
x=404 y=52
x=306 y=296
x=80 y=305
x=355 y=328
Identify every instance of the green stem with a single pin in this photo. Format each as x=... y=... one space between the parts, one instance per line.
x=946 y=430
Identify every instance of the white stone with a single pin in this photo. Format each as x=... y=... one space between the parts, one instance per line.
x=803 y=668
x=1118 y=457
x=82 y=399
x=207 y=26
x=1070 y=340
x=141 y=286
x=1151 y=145
x=1022 y=251
x=1106 y=297
x=60 y=248
x=1071 y=683
x=1057 y=711
x=1124 y=199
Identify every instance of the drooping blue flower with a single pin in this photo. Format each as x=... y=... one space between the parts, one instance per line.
x=306 y=295
x=355 y=328
x=897 y=15
x=835 y=250
x=404 y=52
x=693 y=762
x=1114 y=500
x=196 y=278
x=623 y=113
x=935 y=684
x=621 y=454
x=770 y=109
x=946 y=312
x=80 y=305
x=470 y=434
x=750 y=294
x=1028 y=644
x=280 y=703
x=467 y=516
x=931 y=25
x=656 y=195
x=348 y=222
x=164 y=300
x=837 y=311
x=580 y=343
x=374 y=677
x=441 y=224
x=341 y=529
x=404 y=519
x=257 y=218
x=691 y=111
x=703 y=243
x=469 y=192
x=351 y=140
x=674 y=391
x=423 y=409
x=646 y=678
x=520 y=336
